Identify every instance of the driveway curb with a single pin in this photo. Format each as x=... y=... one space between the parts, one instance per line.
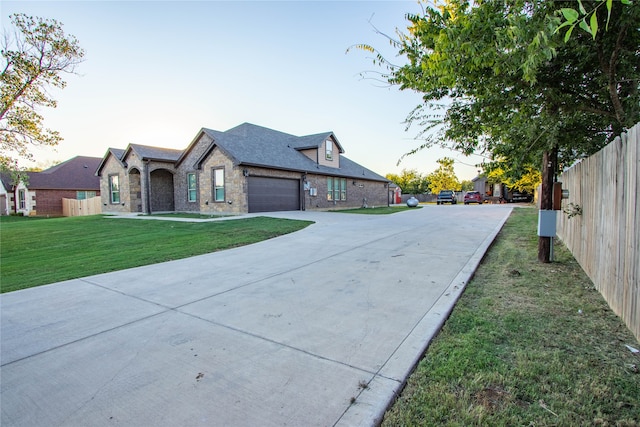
x=406 y=358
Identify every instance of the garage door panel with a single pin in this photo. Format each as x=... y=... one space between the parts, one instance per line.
x=273 y=194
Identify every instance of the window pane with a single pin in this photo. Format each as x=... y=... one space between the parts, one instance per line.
x=219 y=178
x=191 y=184
x=343 y=189
x=219 y=194
x=328 y=149
x=218 y=185
x=329 y=189
x=81 y=195
x=114 y=187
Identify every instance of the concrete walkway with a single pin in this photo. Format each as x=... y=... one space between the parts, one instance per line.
x=316 y=328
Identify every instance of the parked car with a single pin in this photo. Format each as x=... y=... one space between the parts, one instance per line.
x=446 y=196
x=473 y=197
x=519 y=197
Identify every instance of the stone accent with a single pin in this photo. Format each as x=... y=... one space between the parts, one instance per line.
x=235 y=188
x=113 y=167
x=188 y=165
x=135 y=190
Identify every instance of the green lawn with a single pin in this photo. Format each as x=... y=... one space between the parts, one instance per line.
x=37 y=251
x=528 y=344
x=188 y=215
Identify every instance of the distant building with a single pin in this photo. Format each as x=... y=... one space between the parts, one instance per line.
x=44 y=191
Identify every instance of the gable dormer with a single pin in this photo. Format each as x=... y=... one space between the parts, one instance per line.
x=329 y=153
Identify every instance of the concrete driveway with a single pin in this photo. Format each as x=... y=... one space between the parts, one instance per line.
x=316 y=328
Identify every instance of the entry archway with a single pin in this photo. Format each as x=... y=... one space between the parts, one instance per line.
x=135 y=190
x=161 y=197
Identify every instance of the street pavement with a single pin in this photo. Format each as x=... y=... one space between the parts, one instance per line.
x=316 y=328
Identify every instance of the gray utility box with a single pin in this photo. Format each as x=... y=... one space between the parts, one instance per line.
x=547 y=223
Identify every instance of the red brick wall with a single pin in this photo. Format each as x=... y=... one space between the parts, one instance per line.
x=49 y=202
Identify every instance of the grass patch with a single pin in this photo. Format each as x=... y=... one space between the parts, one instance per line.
x=39 y=251
x=190 y=215
x=527 y=344
x=383 y=210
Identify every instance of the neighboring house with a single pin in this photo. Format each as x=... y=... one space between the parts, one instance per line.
x=247 y=168
x=499 y=192
x=9 y=193
x=488 y=191
x=44 y=191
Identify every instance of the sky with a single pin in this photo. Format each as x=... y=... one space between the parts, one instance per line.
x=156 y=72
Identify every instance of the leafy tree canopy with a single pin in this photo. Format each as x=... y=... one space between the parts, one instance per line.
x=466 y=185
x=587 y=20
x=34 y=58
x=496 y=80
x=444 y=178
x=410 y=181
x=524 y=182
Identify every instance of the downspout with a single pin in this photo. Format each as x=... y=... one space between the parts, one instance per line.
x=303 y=194
x=147 y=188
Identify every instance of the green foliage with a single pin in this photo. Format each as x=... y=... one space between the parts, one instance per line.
x=572 y=17
x=410 y=181
x=33 y=61
x=524 y=181
x=443 y=178
x=527 y=181
x=466 y=185
x=496 y=79
x=82 y=246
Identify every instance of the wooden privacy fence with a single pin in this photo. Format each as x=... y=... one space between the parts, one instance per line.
x=73 y=207
x=604 y=236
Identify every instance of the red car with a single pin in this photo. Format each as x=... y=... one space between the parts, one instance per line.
x=473 y=197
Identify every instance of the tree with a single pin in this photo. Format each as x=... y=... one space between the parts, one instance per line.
x=523 y=182
x=572 y=17
x=443 y=178
x=509 y=89
x=410 y=181
x=34 y=57
x=466 y=185
x=528 y=182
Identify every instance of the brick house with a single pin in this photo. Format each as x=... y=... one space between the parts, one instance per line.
x=43 y=192
x=247 y=168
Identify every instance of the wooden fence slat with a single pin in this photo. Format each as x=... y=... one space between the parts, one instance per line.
x=604 y=239
x=73 y=207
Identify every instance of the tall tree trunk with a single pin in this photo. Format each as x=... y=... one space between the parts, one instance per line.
x=549 y=162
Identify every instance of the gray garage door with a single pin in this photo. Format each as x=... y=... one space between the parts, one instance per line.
x=273 y=194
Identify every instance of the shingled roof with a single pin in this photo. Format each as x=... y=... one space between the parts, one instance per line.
x=77 y=173
x=146 y=152
x=253 y=145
